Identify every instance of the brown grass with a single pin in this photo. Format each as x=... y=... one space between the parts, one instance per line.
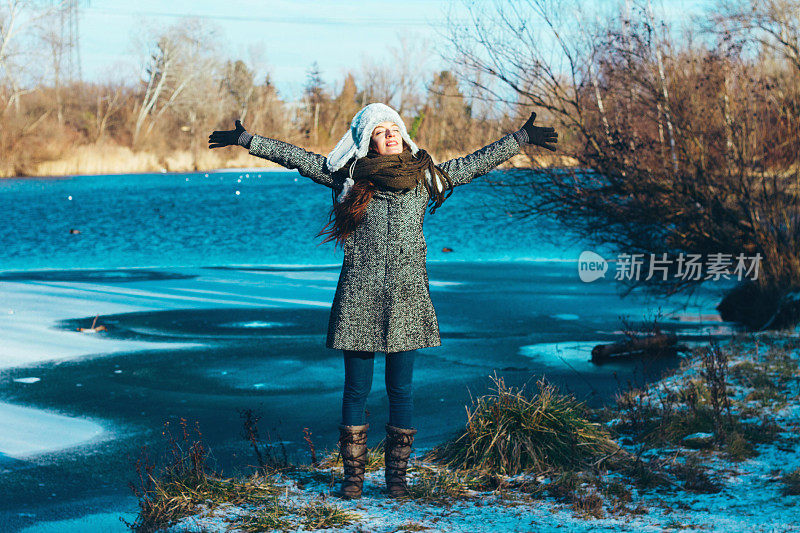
x=115 y=159
x=509 y=432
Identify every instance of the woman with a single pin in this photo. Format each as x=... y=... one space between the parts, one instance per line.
x=382 y=301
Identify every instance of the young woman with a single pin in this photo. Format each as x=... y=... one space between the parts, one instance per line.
x=382 y=301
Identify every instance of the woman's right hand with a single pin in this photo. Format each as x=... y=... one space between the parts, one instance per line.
x=232 y=137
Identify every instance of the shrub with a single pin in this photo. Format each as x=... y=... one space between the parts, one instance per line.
x=509 y=433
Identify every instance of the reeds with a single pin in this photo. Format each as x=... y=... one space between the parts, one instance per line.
x=184 y=482
x=510 y=433
x=185 y=486
x=99 y=159
x=115 y=159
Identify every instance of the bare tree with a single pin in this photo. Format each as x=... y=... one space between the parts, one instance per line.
x=411 y=59
x=445 y=112
x=397 y=80
x=774 y=24
x=270 y=115
x=179 y=59
x=52 y=38
x=316 y=99
x=109 y=102
x=239 y=83
x=676 y=143
x=19 y=21
x=344 y=107
x=378 y=82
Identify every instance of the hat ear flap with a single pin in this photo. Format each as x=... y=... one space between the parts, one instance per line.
x=363 y=147
x=344 y=150
x=406 y=137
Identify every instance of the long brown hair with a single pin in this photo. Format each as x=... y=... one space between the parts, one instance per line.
x=345 y=216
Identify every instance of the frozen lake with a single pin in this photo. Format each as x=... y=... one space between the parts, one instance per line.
x=192 y=335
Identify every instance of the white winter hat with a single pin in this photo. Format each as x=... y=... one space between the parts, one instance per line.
x=355 y=142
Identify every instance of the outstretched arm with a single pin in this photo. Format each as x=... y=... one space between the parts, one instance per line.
x=464 y=169
x=287 y=155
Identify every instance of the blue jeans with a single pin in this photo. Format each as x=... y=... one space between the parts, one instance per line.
x=358 y=368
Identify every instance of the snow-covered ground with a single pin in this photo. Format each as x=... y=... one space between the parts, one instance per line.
x=750 y=499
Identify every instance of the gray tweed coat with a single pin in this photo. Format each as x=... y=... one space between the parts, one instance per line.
x=382 y=301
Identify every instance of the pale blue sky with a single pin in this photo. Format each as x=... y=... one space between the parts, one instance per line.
x=289 y=35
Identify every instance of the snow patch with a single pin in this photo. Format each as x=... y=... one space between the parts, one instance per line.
x=565 y=316
x=27 y=380
x=28 y=431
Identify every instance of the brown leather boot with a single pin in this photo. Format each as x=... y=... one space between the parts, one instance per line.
x=397 y=450
x=353 y=447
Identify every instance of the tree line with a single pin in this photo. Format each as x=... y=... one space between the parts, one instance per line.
x=187 y=89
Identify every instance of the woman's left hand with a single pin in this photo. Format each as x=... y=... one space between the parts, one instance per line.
x=544 y=137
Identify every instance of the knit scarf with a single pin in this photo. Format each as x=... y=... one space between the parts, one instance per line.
x=403 y=171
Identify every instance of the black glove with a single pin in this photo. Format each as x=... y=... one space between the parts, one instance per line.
x=544 y=137
x=237 y=136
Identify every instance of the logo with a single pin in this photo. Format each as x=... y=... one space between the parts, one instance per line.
x=591 y=266
x=686 y=266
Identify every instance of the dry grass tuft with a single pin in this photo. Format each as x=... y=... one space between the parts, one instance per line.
x=442 y=486
x=184 y=483
x=510 y=433
x=277 y=515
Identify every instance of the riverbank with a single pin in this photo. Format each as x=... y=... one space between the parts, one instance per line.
x=109 y=158
x=735 y=470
